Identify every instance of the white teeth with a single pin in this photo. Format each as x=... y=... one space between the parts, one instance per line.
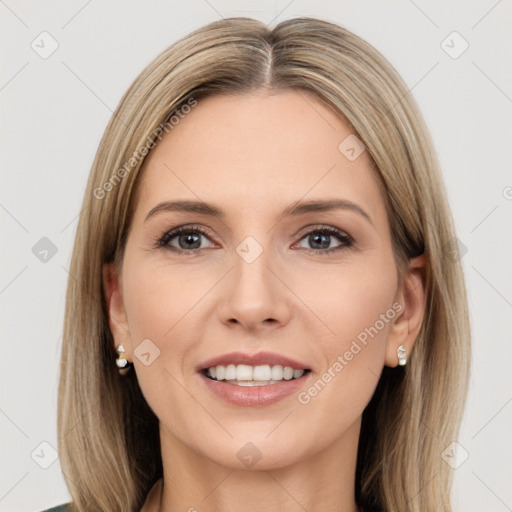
x=246 y=375
x=262 y=373
x=287 y=373
x=221 y=370
x=276 y=372
x=243 y=372
x=297 y=373
x=230 y=373
x=251 y=383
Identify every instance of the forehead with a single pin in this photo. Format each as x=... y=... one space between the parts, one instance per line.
x=257 y=149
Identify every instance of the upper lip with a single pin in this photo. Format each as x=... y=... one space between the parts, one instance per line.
x=259 y=358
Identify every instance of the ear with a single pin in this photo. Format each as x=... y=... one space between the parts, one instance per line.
x=411 y=302
x=118 y=322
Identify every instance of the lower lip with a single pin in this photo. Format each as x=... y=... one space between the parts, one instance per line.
x=255 y=395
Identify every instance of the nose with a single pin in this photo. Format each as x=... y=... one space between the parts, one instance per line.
x=255 y=295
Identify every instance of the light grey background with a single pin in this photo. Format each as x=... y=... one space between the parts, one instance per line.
x=54 y=111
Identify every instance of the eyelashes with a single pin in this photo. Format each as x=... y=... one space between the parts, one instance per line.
x=326 y=232
x=193 y=235
x=164 y=241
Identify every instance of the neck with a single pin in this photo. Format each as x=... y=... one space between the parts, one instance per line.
x=191 y=482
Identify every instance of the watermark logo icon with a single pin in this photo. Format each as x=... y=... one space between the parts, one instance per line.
x=454 y=455
x=44 y=455
x=147 y=352
x=249 y=249
x=454 y=45
x=249 y=455
x=455 y=249
x=44 y=45
x=44 y=250
x=351 y=147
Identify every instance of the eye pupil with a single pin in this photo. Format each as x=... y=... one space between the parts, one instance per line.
x=189 y=237
x=322 y=239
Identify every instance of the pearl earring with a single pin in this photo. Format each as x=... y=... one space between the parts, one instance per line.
x=402 y=355
x=122 y=363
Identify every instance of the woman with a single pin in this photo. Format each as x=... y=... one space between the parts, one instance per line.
x=261 y=313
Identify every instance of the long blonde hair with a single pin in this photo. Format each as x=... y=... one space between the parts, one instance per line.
x=108 y=436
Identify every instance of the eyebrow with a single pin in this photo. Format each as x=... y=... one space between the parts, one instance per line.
x=294 y=210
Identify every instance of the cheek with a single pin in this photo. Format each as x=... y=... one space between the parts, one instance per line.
x=356 y=305
x=161 y=306
x=359 y=311
x=157 y=299
x=359 y=301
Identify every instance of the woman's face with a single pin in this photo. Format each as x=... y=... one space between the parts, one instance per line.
x=258 y=269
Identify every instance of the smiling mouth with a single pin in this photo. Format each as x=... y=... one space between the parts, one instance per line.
x=250 y=376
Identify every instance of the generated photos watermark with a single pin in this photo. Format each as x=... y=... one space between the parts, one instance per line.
x=140 y=153
x=305 y=397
